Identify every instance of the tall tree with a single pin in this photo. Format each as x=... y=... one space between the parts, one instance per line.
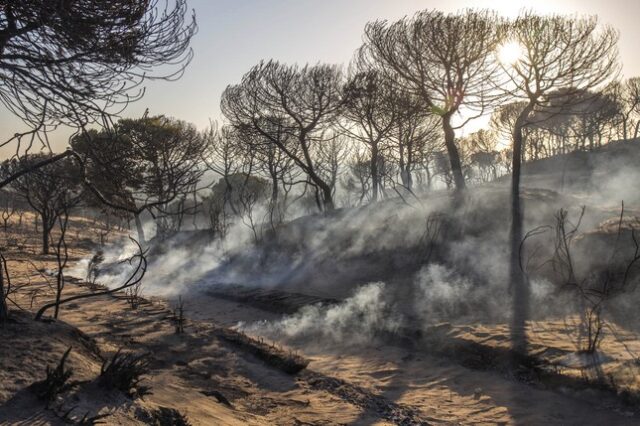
x=51 y=191
x=415 y=139
x=69 y=61
x=370 y=117
x=268 y=161
x=627 y=95
x=445 y=60
x=483 y=154
x=304 y=102
x=144 y=165
x=557 y=52
x=78 y=62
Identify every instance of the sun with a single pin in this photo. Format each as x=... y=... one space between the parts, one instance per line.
x=510 y=53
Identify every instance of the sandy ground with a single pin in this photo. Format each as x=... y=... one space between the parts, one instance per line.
x=377 y=384
x=188 y=370
x=557 y=342
x=443 y=391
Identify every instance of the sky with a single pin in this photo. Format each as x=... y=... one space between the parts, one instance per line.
x=234 y=35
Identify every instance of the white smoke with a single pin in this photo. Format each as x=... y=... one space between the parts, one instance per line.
x=437 y=294
x=441 y=294
x=355 y=320
x=177 y=268
x=470 y=282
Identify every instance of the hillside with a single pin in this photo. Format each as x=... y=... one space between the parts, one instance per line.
x=400 y=311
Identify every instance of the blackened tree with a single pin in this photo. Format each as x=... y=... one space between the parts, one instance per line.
x=143 y=165
x=444 y=59
x=64 y=61
x=50 y=191
x=560 y=58
x=294 y=108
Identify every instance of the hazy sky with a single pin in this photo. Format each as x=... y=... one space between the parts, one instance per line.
x=235 y=34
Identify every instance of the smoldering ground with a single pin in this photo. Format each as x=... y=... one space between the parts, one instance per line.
x=396 y=263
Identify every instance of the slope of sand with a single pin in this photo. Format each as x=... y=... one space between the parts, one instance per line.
x=443 y=391
x=379 y=383
x=188 y=372
x=557 y=342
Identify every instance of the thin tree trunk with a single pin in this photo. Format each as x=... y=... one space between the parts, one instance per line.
x=58 y=296
x=327 y=198
x=518 y=282
x=409 y=177
x=62 y=256
x=452 y=151
x=326 y=203
x=374 y=172
x=46 y=230
x=4 y=309
x=140 y=229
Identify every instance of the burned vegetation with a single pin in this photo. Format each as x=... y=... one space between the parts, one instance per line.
x=340 y=246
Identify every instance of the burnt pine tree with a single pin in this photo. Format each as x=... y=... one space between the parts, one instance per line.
x=444 y=59
x=144 y=165
x=75 y=62
x=370 y=117
x=294 y=108
x=61 y=61
x=573 y=54
x=50 y=190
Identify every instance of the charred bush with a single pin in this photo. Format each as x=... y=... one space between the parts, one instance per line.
x=56 y=382
x=164 y=416
x=288 y=362
x=124 y=372
x=593 y=285
x=594 y=291
x=134 y=295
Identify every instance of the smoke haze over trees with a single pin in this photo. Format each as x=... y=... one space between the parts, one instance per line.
x=351 y=202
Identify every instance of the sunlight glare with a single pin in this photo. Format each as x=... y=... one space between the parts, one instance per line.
x=510 y=53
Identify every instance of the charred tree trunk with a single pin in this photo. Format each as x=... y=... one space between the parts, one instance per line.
x=45 y=240
x=452 y=151
x=62 y=256
x=46 y=232
x=325 y=202
x=518 y=282
x=429 y=177
x=274 y=189
x=4 y=309
x=327 y=193
x=140 y=229
x=327 y=198
x=405 y=176
x=273 y=204
x=375 y=178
